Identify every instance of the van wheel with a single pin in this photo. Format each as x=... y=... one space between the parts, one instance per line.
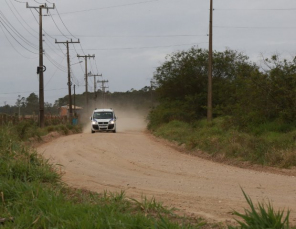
x=114 y=131
x=92 y=131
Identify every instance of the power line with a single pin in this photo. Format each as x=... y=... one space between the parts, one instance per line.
x=19 y=1
x=14 y=47
x=15 y=38
x=56 y=64
x=139 y=36
x=20 y=92
x=22 y=19
x=77 y=54
x=11 y=27
x=64 y=24
x=53 y=74
x=148 y=47
x=57 y=26
x=262 y=9
x=48 y=44
x=46 y=32
x=254 y=27
x=109 y=7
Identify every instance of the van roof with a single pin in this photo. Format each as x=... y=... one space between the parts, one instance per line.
x=101 y=110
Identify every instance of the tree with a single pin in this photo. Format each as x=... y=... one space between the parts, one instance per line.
x=182 y=80
x=32 y=104
x=20 y=103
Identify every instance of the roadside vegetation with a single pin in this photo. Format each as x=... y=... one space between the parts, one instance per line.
x=254 y=106
x=262 y=216
x=32 y=194
x=265 y=144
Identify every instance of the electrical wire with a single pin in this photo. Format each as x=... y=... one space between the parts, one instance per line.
x=53 y=73
x=148 y=47
x=11 y=27
x=74 y=77
x=14 y=47
x=78 y=54
x=52 y=48
x=57 y=26
x=91 y=68
x=96 y=66
x=253 y=27
x=46 y=32
x=143 y=36
x=283 y=9
x=19 y=1
x=22 y=19
x=15 y=38
x=48 y=44
x=109 y=7
x=37 y=2
x=22 y=92
x=51 y=60
x=64 y=23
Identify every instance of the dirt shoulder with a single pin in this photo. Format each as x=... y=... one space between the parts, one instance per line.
x=141 y=164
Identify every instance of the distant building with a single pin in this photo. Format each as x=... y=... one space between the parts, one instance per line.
x=64 y=110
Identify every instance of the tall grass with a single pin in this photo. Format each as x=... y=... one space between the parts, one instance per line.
x=266 y=144
x=261 y=217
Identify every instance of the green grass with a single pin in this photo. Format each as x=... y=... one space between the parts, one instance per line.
x=33 y=196
x=263 y=216
x=273 y=146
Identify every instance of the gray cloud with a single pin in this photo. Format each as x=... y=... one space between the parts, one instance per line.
x=130 y=38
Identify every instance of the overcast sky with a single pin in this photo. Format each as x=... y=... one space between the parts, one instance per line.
x=130 y=38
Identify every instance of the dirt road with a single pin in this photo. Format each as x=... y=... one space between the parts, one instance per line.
x=138 y=163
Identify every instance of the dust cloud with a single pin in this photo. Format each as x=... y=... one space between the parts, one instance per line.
x=129 y=118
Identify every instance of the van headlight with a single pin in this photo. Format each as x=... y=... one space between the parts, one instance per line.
x=94 y=122
x=112 y=122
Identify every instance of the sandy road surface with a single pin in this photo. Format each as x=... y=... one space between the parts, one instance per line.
x=138 y=163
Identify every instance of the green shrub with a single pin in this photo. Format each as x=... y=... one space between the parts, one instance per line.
x=262 y=217
x=221 y=137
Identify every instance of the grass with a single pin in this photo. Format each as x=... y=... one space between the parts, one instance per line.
x=262 y=145
x=263 y=216
x=33 y=196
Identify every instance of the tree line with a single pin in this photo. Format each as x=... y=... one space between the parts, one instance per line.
x=243 y=90
x=140 y=99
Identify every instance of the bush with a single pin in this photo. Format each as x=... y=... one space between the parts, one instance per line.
x=264 y=217
x=222 y=138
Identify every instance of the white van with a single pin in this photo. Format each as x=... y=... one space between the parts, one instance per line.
x=103 y=120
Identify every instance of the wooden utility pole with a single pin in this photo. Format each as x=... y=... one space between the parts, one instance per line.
x=210 y=77
x=69 y=74
x=95 y=83
x=86 y=83
x=41 y=68
x=103 y=88
x=74 y=100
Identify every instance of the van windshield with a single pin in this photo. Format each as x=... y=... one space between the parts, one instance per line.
x=103 y=115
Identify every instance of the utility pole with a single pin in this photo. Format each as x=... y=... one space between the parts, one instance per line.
x=103 y=88
x=151 y=90
x=69 y=74
x=41 y=68
x=95 y=83
x=74 y=100
x=86 y=83
x=210 y=77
